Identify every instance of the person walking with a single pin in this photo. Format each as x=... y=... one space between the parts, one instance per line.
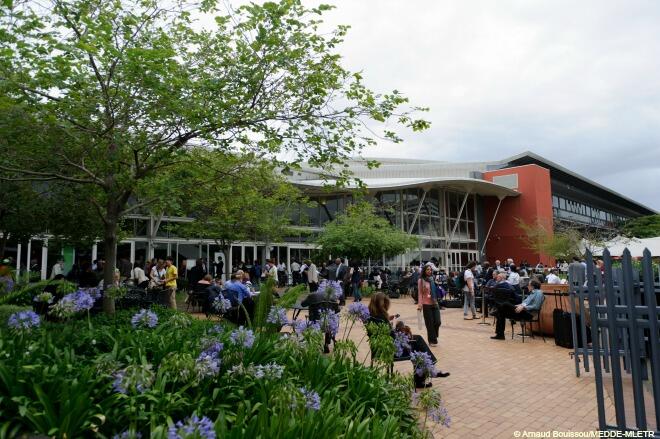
x=469 y=291
x=427 y=295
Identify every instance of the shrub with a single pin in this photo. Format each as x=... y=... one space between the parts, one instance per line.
x=8 y=310
x=68 y=379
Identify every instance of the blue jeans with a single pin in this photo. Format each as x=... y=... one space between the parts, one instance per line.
x=468 y=302
x=356 y=291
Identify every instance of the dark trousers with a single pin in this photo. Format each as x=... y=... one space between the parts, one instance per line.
x=432 y=321
x=508 y=311
x=313 y=286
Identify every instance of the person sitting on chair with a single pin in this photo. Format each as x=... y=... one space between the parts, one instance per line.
x=378 y=310
x=508 y=310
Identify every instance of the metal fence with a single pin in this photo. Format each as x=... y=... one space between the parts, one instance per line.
x=614 y=317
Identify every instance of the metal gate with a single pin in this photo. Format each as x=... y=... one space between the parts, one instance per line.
x=616 y=330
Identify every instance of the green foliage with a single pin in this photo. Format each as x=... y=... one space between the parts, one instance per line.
x=563 y=243
x=643 y=227
x=58 y=382
x=291 y=296
x=264 y=301
x=107 y=96
x=361 y=234
x=24 y=294
x=367 y=290
x=381 y=343
x=235 y=198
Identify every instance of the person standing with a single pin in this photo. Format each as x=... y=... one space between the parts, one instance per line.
x=469 y=291
x=427 y=297
x=356 y=280
x=295 y=272
x=312 y=276
x=171 y=275
x=281 y=275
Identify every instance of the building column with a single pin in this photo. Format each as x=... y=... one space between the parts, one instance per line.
x=132 y=256
x=44 y=259
x=18 y=260
x=243 y=253
x=95 y=252
x=28 y=256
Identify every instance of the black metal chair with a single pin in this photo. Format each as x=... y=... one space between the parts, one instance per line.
x=536 y=318
x=314 y=315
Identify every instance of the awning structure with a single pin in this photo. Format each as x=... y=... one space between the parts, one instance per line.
x=472 y=185
x=636 y=246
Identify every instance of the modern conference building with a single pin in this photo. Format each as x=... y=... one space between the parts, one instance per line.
x=460 y=211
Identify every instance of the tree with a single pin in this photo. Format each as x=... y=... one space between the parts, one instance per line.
x=29 y=209
x=22 y=213
x=559 y=244
x=361 y=234
x=642 y=227
x=108 y=95
x=236 y=198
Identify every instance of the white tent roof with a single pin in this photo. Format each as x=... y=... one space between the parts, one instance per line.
x=636 y=246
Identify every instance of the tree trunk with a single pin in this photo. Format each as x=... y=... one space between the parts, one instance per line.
x=3 y=244
x=227 y=268
x=110 y=246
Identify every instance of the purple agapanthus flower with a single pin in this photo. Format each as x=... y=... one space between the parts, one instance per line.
x=401 y=343
x=134 y=378
x=277 y=316
x=312 y=399
x=300 y=326
x=331 y=289
x=242 y=336
x=24 y=320
x=144 y=319
x=358 y=310
x=423 y=364
x=221 y=305
x=128 y=435
x=78 y=301
x=329 y=321
x=192 y=427
x=212 y=347
x=270 y=371
x=208 y=364
x=440 y=415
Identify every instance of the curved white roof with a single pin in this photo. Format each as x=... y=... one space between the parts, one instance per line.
x=474 y=185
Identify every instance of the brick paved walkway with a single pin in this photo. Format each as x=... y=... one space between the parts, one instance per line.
x=499 y=387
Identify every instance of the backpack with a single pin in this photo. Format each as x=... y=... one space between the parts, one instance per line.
x=460 y=281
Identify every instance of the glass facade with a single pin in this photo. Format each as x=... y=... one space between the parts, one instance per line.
x=570 y=210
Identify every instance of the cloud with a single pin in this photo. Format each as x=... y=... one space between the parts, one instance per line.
x=575 y=82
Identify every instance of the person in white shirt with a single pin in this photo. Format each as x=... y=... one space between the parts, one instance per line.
x=272 y=271
x=514 y=277
x=553 y=278
x=157 y=274
x=58 y=268
x=139 y=278
x=469 y=291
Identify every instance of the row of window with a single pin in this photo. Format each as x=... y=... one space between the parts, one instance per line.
x=584 y=213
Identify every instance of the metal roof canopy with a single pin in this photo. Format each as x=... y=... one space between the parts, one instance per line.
x=473 y=185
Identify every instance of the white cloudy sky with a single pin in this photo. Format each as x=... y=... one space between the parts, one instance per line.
x=575 y=81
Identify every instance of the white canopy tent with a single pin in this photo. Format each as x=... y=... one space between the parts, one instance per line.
x=636 y=246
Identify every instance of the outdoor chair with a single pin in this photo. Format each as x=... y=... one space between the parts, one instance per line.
x=536 y=318
x=401 y=287
x=314 y=315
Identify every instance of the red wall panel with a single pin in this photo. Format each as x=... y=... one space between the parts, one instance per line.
x=534 y=203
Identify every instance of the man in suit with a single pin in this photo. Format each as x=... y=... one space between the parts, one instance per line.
x=337 y=270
